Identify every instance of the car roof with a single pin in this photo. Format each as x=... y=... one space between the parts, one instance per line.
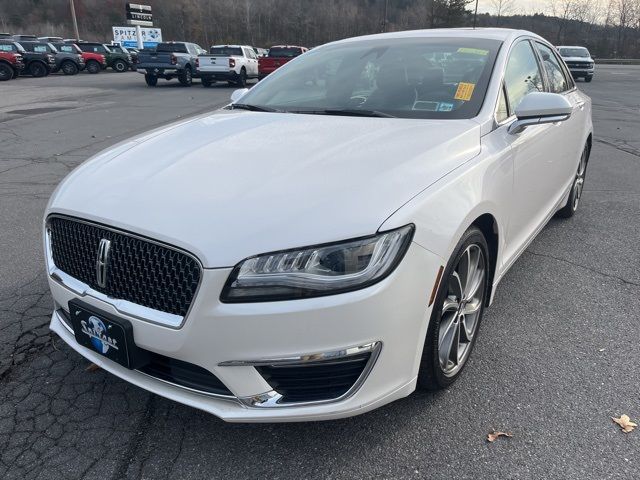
x=230 y=46
x=571 y=46
x=501 y=34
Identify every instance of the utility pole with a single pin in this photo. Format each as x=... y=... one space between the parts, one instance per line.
x=73 y=18
x=384 y=19
x=475 y=15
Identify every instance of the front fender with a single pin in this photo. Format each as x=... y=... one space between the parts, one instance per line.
x=445 y=210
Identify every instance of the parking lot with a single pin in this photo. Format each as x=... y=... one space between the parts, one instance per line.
x=557 y=356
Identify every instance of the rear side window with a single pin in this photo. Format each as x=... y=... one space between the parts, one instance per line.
x=284 y=52
x=226 y=51
x=522 y=75
x=556 y=76
x=171 y=48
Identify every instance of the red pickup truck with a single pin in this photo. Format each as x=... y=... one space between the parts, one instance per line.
x=10 y=64
x=278 y=56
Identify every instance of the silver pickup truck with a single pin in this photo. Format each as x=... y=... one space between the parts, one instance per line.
x=170 y=60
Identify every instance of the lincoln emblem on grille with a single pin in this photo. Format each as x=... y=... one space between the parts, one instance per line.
x=102 y=262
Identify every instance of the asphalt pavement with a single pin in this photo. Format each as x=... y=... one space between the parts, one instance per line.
x=557 y=355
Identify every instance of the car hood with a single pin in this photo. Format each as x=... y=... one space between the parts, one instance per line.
x=229 y=185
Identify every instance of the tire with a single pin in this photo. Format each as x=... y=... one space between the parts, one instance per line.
x=151 y=80
x=242 y=79
x=69 y=68
x=588 y=78
x=93 y=67
x=38 y=69
x=452 y=318
x=120 y=66
x=6 y=72
x=575 y=194
x=186 y=77
x=206 y=82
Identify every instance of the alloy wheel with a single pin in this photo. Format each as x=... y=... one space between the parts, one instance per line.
x=578 y=183
x=461 y=310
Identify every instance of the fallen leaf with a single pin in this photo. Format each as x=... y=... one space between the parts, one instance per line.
x=493 y=436
x=92 y=367
x=625 y=423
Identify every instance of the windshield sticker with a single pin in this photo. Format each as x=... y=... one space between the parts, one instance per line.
x=473 y=51
x=445 y=107
x=465 y=91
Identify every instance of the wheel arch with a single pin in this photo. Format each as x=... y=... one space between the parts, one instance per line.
x=488 y=225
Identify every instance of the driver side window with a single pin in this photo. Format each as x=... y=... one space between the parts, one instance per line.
x=522 y=75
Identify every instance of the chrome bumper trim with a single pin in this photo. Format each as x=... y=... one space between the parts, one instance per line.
x=273 y=399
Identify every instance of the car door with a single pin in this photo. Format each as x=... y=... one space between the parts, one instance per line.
x=570 y=132
x=252 y=62
x=534 y=151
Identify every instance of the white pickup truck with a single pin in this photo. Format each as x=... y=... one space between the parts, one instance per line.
x=232 y=63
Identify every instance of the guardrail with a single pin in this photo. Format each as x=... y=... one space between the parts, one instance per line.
x=618 y=61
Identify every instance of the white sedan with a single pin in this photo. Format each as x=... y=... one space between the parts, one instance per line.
x=327 y=243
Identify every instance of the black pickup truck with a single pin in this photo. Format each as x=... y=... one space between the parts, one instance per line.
x=170 y=60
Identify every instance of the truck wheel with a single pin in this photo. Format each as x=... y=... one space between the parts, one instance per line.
x=69 y=68
x=37 y=69
x=151 y=80
x=93 y=67
x=119 y=66
x=186 y=78
x=588 y=78
x=6 y=72
x=206 y=82
x=242 y=79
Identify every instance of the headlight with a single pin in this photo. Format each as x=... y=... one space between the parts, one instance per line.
x=319 y=270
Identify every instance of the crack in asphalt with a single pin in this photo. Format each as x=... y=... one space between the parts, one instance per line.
x=575 y=264
x=625 y=147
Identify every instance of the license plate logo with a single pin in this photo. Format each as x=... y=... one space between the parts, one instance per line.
x=98 y=334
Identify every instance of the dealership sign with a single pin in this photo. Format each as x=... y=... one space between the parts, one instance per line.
x=126 y=36
x=139 y=15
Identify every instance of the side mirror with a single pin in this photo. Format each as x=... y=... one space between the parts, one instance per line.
x=238 y=94
x=538 y=108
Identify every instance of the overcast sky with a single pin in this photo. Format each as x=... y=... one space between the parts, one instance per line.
x=519 y=6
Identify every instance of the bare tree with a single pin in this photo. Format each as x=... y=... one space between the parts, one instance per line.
x=501 y=8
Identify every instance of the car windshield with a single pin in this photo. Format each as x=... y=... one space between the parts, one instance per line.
x=226 y=51
x=574 y=52
x=171 y=48
x=67 y=48
x=404 y=77
x=284 y=52
x=8 y=47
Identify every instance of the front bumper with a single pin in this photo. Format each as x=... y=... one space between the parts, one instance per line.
x=581 y=72
x=222 y=338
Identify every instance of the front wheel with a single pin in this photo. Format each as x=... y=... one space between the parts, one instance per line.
x=37 y=69
x=575 y=195
x=151 y=80
x=457 y=312
x=6 y=72
x=93 y=67
x=120 y=66
x=588 y=78
x=69 y=68
x=186 y=78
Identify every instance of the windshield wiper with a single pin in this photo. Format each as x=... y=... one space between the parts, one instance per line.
x=347 y=112
x=252 y=108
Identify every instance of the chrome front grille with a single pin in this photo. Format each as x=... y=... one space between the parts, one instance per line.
x=134 y=269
